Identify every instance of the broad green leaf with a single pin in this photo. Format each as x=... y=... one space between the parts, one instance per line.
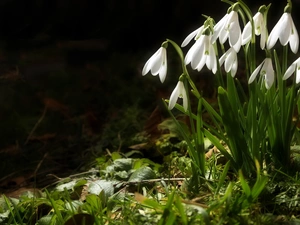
x=80 y=183
x=69 y=186
x=46 y=220
x=122 y=164
x=96 y=187
x=143 y=173
x=119 y=165
x=121 y=175
x=115 y=156
x=73 y=205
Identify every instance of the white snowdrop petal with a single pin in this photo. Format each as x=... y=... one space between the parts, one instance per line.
x=289 y=71
x=184 y=97
x=149 y=64
x=265 y=66
x=235 y=30
x=201 y=63
x=234 y=68
x=188 y=56
x=208 y=62
x=269 y=77
x=269 y=80
x=297 y=76
x=254 y=74
x=191 y=52
x=198 y=55
x=194 y=52
x=258 y=20
x=210 y=58
x=263 y=37
x=174 y=96
x=223 y=36
x=272 y=39
x=146 y=68
x=156 y=64
x=230 y=60
x=274 y=35
x=217 y=28
x=222 y=58
x=247 y=33
x=294 y=39
x=214 y=64
x=191 y=36
x=238 y=45
x=285 y=30
x=163 y=72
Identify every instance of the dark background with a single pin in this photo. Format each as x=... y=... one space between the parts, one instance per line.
x=123 y=25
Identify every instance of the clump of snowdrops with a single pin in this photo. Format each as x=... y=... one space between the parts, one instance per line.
x=253 y=126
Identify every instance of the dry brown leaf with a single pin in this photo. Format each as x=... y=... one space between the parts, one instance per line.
x=21 y=191
x=11 y=150
x=43 y=138
x=139 y=197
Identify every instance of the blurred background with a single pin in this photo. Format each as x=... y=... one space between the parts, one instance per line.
x=70 y=77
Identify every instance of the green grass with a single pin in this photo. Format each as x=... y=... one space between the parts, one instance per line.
x=139 y=191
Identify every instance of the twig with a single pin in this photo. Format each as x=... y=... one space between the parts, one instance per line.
x=40 y=163
x=60 y=179
x=153 y=180
x=36 y=125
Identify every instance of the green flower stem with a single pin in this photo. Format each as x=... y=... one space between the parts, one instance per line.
x=184 y=69
x=200 y=138
x=182 y=131
x=220 y=81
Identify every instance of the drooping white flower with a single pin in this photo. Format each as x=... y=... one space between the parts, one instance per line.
x=178 y=92
x=266 y=70
x=195 y=34
x=229 y=28
x=259 y=28
x=157 y=64
x=294 y=66
x=231 y=62
x=201 y=53
x=286 y=32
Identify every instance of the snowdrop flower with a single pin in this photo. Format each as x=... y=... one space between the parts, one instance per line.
x=231 y=62
x=285 y=31
x=259 y=28
x=198 y=32
x=201 y=53
x=229 y=28
x=178 y=92
x=295 y=66
x=157 y=64
x=266 y=70
x=195 y=34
